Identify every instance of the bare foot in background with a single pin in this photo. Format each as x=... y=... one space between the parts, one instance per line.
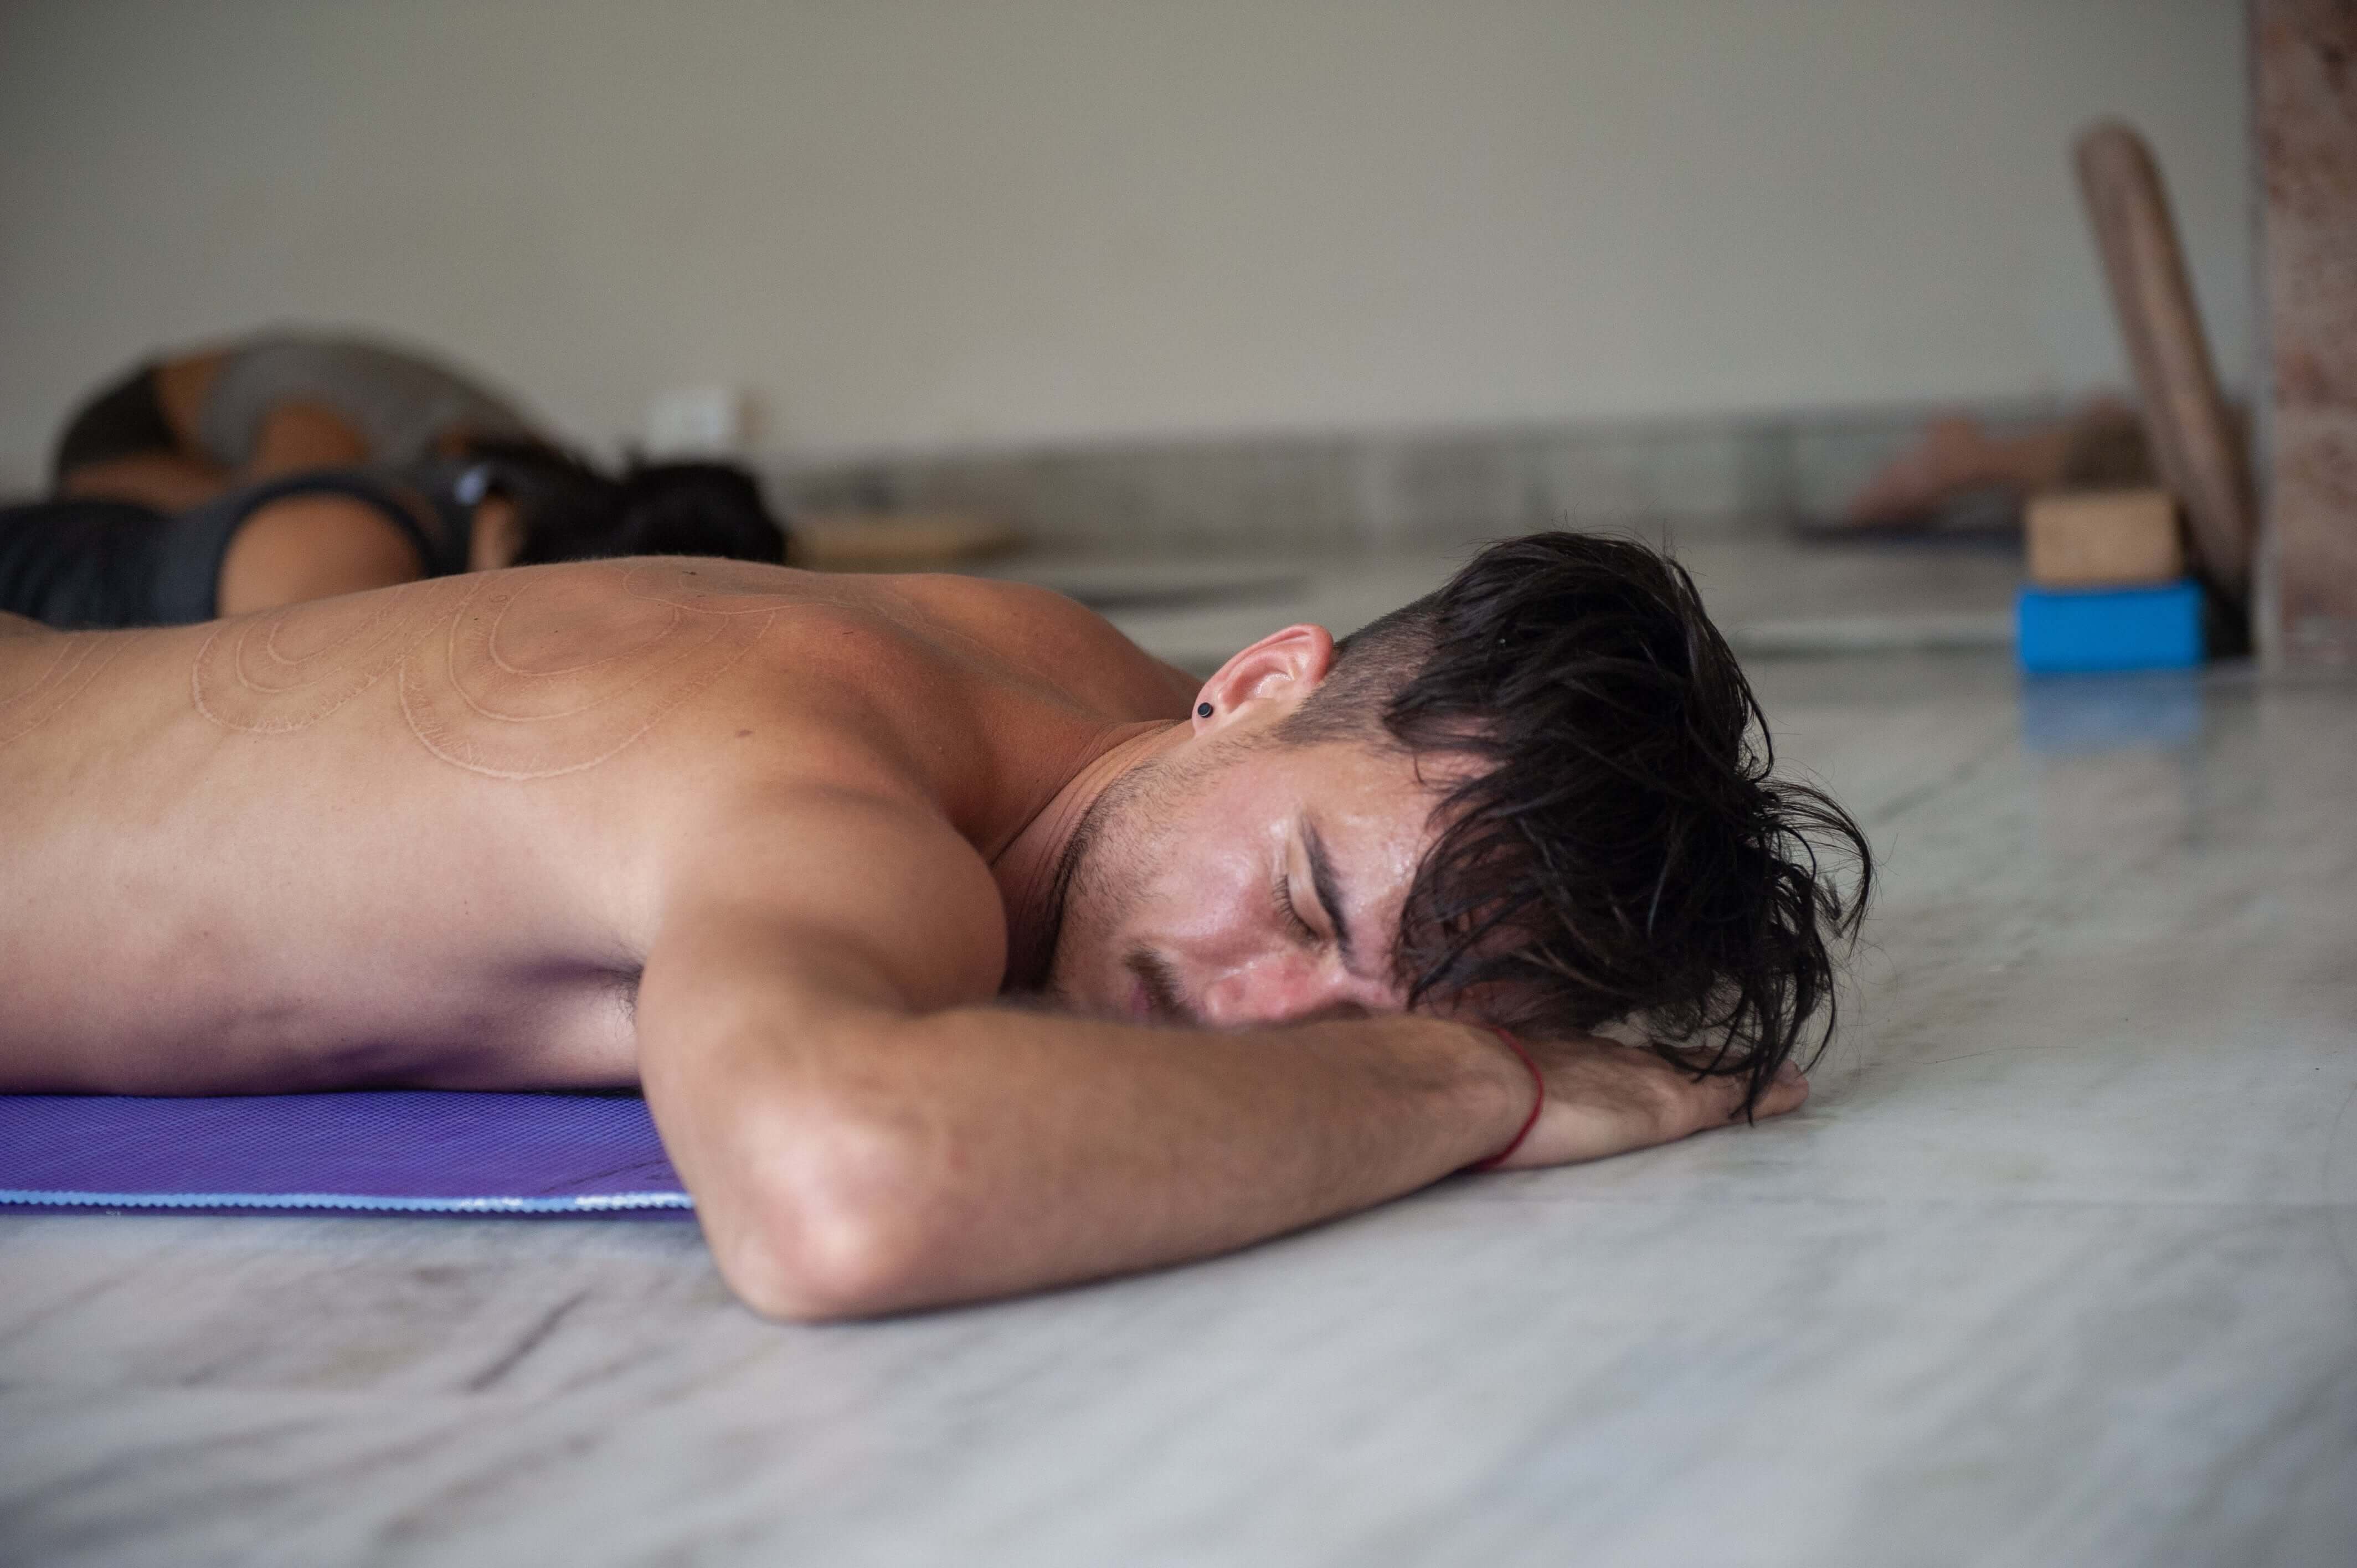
x=2102 y=445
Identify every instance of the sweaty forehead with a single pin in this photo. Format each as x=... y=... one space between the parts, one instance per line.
x=1380 y=781
x=1371 y=813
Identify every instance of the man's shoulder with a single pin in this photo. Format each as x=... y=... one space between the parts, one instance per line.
x=1013 y=620
x=1054 y=640
x=914 y=681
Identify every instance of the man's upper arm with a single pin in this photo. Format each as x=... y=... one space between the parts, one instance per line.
x=788 y=952
x=824 y=898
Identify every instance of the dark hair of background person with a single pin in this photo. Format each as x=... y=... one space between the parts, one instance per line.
x=1623 y=849
x=569 y=511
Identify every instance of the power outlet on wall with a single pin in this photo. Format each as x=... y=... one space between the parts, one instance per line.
x=696 y=421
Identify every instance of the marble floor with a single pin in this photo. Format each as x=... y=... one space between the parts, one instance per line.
x=1774 y=597
x=2059 y=1266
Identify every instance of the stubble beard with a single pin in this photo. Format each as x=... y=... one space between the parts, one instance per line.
x=1088 y=873
x=1108 y=857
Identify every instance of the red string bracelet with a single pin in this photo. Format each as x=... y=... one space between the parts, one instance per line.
x=1538 y=1081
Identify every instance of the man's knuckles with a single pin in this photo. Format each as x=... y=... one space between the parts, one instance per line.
x=1653 y=1100
x=1787 y=1091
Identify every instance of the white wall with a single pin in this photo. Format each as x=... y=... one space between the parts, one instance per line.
x=984 y=221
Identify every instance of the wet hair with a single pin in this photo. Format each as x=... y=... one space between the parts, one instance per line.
x=1622 y=848
x=570 y=511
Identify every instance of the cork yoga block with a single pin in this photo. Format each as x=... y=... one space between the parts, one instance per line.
x=2105 y=539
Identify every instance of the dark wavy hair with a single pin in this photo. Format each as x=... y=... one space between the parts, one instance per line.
x=570 y=511
x=1623 y=849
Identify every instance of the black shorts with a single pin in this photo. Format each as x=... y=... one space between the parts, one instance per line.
x=87 y=562
x=123 y=419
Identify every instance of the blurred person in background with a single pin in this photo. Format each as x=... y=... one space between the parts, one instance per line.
x=2100 y=447
x=289 y=466
x=179 y=430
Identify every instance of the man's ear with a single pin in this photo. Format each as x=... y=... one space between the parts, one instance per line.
x=1282 y=669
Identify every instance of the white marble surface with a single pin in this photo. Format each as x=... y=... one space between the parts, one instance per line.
x=1770 y=595
x=2059 y=1266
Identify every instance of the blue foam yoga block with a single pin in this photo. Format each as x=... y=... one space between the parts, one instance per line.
x=2065 y=629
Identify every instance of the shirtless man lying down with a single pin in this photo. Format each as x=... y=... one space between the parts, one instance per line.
x=961 y=947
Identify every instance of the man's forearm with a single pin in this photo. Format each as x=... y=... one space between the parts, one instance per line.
x=985 y=1151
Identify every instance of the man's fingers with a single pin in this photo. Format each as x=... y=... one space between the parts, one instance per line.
x=1605 y=1098
x=1786 y=1091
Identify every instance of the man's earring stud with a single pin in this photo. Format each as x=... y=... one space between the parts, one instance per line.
x=1202 y=710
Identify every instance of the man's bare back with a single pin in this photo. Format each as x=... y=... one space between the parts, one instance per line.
x=777 y=847
x=421 y=836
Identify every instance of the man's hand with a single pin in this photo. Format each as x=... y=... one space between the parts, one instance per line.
x=1604 y=1099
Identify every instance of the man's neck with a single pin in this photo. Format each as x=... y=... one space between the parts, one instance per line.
x=1031 y=871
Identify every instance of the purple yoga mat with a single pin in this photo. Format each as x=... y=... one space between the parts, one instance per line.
x=399 y=1152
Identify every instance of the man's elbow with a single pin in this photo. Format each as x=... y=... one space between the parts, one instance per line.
x=841 y=1230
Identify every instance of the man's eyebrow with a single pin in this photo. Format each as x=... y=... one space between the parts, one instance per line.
x=1330 y=889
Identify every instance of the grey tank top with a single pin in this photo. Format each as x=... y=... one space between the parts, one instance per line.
x=400 y=402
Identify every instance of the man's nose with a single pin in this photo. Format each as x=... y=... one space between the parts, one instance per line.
x=1286 y=989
